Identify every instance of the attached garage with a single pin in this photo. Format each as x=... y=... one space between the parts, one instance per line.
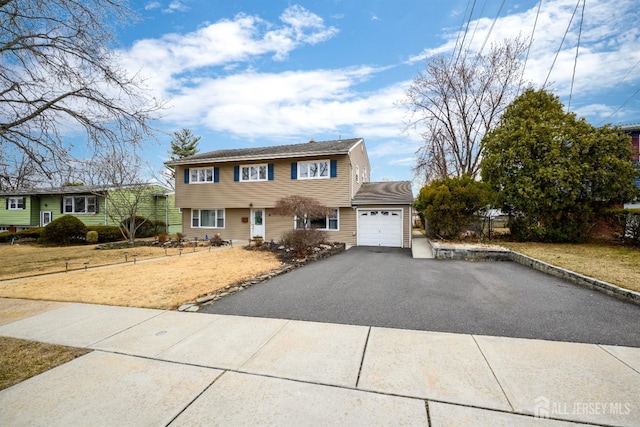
x=380 y=227
x=383 y=214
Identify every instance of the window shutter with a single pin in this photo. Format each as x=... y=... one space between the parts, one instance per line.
x=294 y=170
x=270 y=168
x=61 y=205
x=334 y=168
x=6 y=200
x=216 y=174
x=24 y=203
x=97 y=204
x=186 y=176
x=236 y=173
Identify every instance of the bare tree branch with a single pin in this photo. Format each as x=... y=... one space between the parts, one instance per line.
x=458 y=103
x=59 y=75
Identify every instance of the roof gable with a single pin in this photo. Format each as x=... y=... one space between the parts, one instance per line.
x=308 y=149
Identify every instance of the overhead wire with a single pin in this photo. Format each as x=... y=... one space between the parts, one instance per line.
x=561 y=43
x=526 y=58
x=491 y=28
x=575 y=61
x=615 y=87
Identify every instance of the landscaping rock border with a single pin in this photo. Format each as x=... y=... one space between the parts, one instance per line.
x=321 y=252
x=496 y=253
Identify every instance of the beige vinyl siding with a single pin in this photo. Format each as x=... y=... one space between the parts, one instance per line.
x=359 y=160
x=275 y=226
x=263 y=194
x=406 y=220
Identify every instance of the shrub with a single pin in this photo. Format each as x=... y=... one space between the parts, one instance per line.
x=216 y=240
x=450 y=204
x=163 y=237
x=302 y=242
x=106 y=233
x=6 y=236
x=92 y=237
x=65 y=230
x=33 y=233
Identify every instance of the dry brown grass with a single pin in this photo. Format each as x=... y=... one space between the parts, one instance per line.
x=162 y=283
x=615 y=264
x=26 y=260
x=21 y=359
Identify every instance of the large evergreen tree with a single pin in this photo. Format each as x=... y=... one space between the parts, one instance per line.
x=555 y=173
x=184 y=144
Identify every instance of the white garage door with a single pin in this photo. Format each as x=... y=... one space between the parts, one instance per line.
x=380 y=227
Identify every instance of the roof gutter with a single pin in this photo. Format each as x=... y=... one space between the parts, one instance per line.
x=253 y=157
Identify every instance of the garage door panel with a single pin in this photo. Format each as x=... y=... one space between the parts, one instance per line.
x=380 y=227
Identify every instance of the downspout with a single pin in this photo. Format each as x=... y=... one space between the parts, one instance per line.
x=166 y=213
x=106 y=216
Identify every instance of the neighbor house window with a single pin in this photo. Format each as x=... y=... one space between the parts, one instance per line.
x=201 y=175
x=15 y=203
x=80 y=204
x=329 y=222
x=357 y=174
x=207 y=218
x=364 y=175
x=313 y=170
x=253 y=173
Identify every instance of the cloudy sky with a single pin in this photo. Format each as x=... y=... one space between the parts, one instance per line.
x=253 y=73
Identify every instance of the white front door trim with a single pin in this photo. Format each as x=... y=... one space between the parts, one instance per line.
x=258 y=223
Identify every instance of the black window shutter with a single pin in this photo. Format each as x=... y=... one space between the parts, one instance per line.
x=270 y=171
x=24 y=203
x=97 y=204
x=61 y=205
x=236 y=173
x=334 y=168
x=216 y=174
x=294 y=170
x=6 y=200
x=186 y=176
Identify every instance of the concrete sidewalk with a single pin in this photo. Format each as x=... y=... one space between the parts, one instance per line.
x=157 y=368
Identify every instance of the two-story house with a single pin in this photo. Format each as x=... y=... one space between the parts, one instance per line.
x=37 y=207
x=233 y=192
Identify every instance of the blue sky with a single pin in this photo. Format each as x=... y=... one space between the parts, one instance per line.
x=254 y=73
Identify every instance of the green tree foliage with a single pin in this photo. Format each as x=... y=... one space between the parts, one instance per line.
x=65 y=230
x=450 y=204
x=184 y=144
x=555 y=173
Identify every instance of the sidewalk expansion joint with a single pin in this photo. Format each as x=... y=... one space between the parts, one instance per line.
x=364 y=352
x=493 y=373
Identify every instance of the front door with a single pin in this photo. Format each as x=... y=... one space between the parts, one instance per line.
x=257 y=223
x=45 y=218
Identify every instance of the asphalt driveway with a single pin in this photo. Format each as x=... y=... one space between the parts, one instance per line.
x=386 y=287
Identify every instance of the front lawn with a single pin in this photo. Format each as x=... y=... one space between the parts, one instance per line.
x=613 y=263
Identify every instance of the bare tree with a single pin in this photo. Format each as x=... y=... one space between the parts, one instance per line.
x=116 y=176
x=59 y=76
x=456 y=101
x=305 y=209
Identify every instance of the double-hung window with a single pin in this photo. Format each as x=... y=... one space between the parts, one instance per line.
x=253 y=173
x=80 y=204
x=15 y=203
x=329 y=222
x=313 y=170
x=199 y=175
x=207 y=218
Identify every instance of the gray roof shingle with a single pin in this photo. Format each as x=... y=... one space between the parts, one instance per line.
x=388 y=193
x=307 y=149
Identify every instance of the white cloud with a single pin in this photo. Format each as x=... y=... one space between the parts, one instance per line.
x=176 y=6
x=152 y=5
x=608 y=43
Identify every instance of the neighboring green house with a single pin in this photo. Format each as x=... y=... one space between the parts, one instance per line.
x=37 y=207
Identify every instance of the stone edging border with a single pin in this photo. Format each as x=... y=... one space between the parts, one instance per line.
x=479 y=254
x=236 y=287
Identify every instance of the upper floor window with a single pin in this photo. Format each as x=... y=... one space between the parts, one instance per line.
x=253 y=173
x=313 y=170
x=329 y=222
x=364 y=175
x=202 y=175
x=358 y=174
x=207 y=218
x=80 y=204
x=15 y=203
